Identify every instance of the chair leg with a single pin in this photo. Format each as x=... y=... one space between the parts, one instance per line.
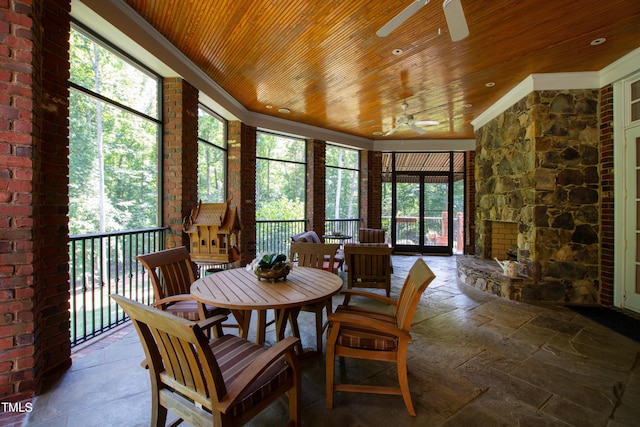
x=295 y=398
x=158 y=412
x=330 y=371
x=217 y=330
x=404 y=385
x=319 y=327
x=262 y=326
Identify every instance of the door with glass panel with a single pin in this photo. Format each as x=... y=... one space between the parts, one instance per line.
x=631 y=299
x=422 y=215
x=423 y=201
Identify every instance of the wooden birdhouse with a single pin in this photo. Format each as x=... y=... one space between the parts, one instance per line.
x=213 y=233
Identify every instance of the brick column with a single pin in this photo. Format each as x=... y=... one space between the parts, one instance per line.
x=316 y=185
x=364 y=185
x=371 y=193
x=241 y=182
x=607 y=196
x=34 y=278
x=180 y=157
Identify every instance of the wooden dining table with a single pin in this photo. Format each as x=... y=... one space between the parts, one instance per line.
x=241 y=291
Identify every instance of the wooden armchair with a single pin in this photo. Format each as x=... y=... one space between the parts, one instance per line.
x=225 y=382
x=368 y=267
x=171 y=273
x=312 y=237
x=374 y=237
x=367 y=334
x=321 y=256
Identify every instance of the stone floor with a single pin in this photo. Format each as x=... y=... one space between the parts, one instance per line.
x=476 y=360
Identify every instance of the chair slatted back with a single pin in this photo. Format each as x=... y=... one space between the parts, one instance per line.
x=178 y=353
x=368 y=265
x=415 y=284
x=314 y=255
x=371 y=235
x=171 y=271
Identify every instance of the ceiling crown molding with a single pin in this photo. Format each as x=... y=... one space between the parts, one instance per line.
x=623 y=67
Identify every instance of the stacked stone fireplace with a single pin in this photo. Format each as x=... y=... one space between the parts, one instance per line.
x=537 y=169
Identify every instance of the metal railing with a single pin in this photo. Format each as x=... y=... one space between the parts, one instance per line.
x=345 y=226
x=408 y=231
x=105 y=263
x=102 y=264
x=275 y=235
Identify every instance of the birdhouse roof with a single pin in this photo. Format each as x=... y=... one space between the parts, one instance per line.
x=212 y=214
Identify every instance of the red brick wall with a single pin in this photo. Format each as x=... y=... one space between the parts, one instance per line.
x=372 y=185
x=241 y=183
x=180 y=157
x=34 y=279
x=364 y=182
x=607 y=195
x=316 y=189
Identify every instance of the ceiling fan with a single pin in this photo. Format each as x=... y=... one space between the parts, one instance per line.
x=406 y=121
x=453 y=13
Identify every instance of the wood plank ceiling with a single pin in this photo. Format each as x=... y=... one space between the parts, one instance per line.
x=323 y=61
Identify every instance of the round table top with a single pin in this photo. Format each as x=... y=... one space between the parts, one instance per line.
x=241 y=289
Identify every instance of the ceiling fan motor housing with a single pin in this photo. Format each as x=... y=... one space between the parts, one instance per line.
x=404 y=119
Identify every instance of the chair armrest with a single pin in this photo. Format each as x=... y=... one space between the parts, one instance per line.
x=378 y=325
x=260 y=364
x=348 y=293
x=173 y=298
x=210 y=321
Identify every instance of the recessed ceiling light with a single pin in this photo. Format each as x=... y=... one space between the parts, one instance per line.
x=397 y=52
x=490 y=84
x=269 y=106
x=377 y=133
x=467 y=105
x=598 y=41
x=284 y=110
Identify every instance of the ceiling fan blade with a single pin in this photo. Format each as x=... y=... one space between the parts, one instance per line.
x=426 y=122
x=392 y=131
x=456 y=21
x=417 y=129
x=397 y=20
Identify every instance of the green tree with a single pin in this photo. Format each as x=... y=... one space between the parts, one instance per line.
x=211 y=157
x=113 y=150
x=280 y=177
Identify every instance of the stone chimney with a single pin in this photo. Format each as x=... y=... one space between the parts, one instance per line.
x=537 y=165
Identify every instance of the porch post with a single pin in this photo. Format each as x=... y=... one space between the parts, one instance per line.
x=34 y=223
x=316 y=186
x=371 y=189
x=241 y=181
x=180 y=157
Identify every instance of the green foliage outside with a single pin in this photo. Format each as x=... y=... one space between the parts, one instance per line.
x=408 y=203
x=280 y=178
x=211 y=158
x=113 y=170
x=342 y=186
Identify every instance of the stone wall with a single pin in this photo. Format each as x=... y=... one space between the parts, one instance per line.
x=537 y=164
